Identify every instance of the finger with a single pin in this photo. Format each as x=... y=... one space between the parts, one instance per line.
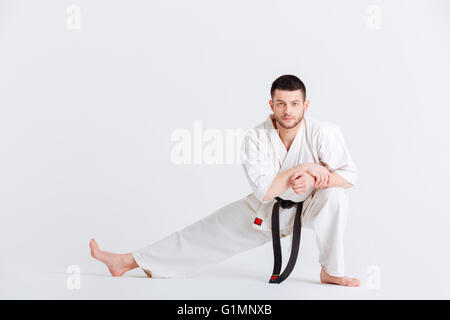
x=321 y=184
x=299 y=187
x=296 y=175
x=296 y=178
x=322 y=178
x=325 y=181
x=301 y=190
x=317 y=182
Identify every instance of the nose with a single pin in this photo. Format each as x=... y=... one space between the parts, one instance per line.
x=288 y=109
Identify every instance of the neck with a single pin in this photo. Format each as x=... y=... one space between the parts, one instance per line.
x=287 y=136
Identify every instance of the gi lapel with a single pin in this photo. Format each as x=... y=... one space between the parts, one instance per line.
x=290 y=157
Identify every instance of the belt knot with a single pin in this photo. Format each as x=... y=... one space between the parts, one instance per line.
x=286 y=204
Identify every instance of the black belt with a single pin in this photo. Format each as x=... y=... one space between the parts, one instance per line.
x=276 y=276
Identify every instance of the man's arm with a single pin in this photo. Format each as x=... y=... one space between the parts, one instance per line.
x=333 y=152
x=281 y=182
x=302 y=181
x=336 y=180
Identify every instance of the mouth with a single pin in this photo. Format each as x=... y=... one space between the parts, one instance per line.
x=288 y=118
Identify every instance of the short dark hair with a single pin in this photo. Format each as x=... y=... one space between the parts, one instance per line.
x=288 y=82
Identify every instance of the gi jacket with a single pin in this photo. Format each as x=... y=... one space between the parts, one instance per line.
x=264 y=156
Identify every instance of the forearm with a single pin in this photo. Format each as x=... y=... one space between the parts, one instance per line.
x=336 y=180
x=280 y=183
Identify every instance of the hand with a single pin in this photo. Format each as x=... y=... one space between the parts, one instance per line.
x=301 y=181
x=319 y=172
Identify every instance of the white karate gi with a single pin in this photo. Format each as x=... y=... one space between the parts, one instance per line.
x=231 y=229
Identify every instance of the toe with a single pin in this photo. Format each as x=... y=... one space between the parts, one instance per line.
x=94 y=248
x=93 y=244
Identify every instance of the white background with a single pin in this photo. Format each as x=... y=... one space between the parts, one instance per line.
x=86 y=118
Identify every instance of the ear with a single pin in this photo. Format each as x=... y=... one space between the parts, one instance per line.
x=271 y=104
x=306 y=104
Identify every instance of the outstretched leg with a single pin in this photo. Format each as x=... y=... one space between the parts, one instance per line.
x=218 y=236
x=326 y=214
x=117 y=264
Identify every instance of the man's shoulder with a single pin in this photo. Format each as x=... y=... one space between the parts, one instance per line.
x=263 y=124
x=261 y=130
x=318 y=128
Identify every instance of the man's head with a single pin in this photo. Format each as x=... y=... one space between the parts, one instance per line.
x=288 y=101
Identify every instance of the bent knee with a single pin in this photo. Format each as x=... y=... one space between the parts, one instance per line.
x=331 y=206
x=333 y=195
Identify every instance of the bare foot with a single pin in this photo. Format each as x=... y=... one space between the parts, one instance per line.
x=342 y=281
x=117 y=264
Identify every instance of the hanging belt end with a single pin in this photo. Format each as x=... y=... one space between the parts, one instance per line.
x=273 y=278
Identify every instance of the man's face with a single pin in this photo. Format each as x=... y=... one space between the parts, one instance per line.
x=288 y=107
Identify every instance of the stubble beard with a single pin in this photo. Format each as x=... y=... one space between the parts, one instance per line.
x=280 y=122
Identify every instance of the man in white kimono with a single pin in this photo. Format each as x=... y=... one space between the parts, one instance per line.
x=290 y=156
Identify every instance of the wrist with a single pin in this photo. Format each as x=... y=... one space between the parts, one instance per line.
x=292 y=171
x=328 y=184
x=305 y=166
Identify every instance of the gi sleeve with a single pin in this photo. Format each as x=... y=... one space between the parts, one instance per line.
x=333 y=153
x=258 y=165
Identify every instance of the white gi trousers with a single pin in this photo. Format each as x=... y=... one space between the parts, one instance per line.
x=228 y=231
